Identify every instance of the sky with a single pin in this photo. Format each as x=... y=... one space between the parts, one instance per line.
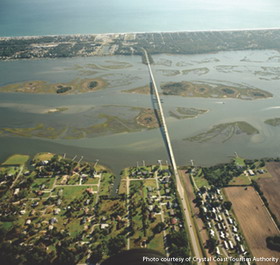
x=32 y=17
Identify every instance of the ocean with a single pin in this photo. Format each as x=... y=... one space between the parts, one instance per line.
x=52 y=17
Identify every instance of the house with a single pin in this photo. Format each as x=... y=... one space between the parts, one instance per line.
x=234 y=229
x=22 y=212
x=212 y=233
x=219 y=226
x=222 y=235
x=218 y=251
x=225 y=244
x=237 y=238
x=172 y=213
x=230 y=245
x=204 y=209
x=28 y=222
x=53 y=221
x=167 y=191
x=251 y=172
x=34 y=204
x=32 y=212
x=56 y=211
x=16 y=192
x=174 y=221
x=39 y=192
x=104 y=226
x=230 y=220
x=90 y=191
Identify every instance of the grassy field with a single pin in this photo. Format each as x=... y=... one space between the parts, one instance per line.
x=106 y=184
x=224 y=132
x=16 y=160
x=42 y=87
x=43 y=156
x=273 y=122
x=271 y=186
x=254 y=219
x=212 y=90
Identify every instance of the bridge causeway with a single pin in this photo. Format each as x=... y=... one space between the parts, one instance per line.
x=192 y=233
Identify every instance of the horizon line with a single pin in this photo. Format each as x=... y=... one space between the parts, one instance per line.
x=137 y=32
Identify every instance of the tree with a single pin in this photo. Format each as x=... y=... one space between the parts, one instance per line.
x=64 y=257
x=96 y=256
x=227 y=205
x=273 y=242
x=159 y=228
x=116 y=244
x=211 y=244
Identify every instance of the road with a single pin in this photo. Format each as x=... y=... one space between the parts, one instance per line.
x=180 y=189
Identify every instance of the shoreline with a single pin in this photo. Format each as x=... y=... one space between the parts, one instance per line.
x=137 y=32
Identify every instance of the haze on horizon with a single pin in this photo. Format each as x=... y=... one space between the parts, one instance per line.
x=50 y=17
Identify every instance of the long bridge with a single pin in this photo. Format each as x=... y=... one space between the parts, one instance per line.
x=180 y=189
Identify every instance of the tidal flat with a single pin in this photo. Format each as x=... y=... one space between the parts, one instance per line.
x=42 y=87
x=273 y=122
x=186 y=113
x=103 y=124
x=213 y=90
x=224 y=132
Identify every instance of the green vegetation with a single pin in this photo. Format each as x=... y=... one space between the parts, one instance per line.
x=139 y=90
x=187 y=113
x=110 y=124
x=224 y=132
x=258 y=189
x=42 y=87
x=16 y=160
x=63 y=89
x=212 y=90
x=197 y=71
x=57 y=214
x=273 y=243
x=125 y=44
x=273 y=122
x=39 y=130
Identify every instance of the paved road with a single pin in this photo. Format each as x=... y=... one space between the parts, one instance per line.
x=180 y=189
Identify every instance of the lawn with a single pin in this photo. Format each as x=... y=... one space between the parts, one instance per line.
x=43 y=156
x=106 y=184
x=240 y=180
x=16 y=160
x=74 y=192
x=199 y=180
x=239 y=161
x=122 y=187
x=91 y=181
